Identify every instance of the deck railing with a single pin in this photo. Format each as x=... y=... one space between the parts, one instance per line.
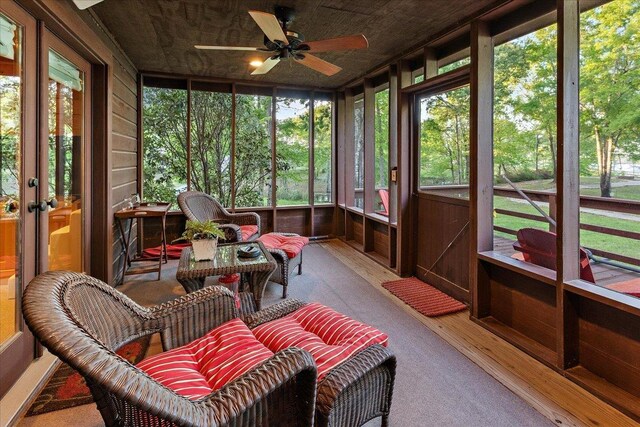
x=588 y=202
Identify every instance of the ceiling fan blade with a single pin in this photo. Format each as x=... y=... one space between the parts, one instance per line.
x=269 y=25
x=84 y=4
x=266 y=66
x=356 y=41
x=204 y=47
x=318 y=64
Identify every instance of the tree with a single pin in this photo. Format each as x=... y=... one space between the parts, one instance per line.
x=610 y=84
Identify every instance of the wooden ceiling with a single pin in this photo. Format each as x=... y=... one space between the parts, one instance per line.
x=158 y=35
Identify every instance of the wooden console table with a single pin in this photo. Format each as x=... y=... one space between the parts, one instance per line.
x=156 y=211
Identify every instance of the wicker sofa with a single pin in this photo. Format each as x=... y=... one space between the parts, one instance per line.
x=83 y=321
x=199 y=206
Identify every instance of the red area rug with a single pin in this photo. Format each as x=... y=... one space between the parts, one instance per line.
x=67 y=388
x=423 y=298
x=631 y=287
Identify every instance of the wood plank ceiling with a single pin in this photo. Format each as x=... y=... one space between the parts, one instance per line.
x=158 y=35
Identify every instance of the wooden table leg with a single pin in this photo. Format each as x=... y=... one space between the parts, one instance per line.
x=125 y=241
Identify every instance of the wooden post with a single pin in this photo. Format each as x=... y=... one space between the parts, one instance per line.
x=349 y=150
x=233 y=147
x=568 y=201
x=369 y=145
x=430 y=63
x=481 y=167
x=405 y=242
x=312 y=165
x=340 y=138
x=393 y=143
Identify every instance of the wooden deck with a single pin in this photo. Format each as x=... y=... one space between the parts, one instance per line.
x=604 y=274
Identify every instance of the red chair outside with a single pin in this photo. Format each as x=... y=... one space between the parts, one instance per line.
x=384 y=199
x=539 y=247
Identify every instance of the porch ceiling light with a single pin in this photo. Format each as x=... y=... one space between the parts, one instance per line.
x=256 y=63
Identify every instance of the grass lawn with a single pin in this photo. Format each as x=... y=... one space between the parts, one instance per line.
x=629 y=192
x=605 y=242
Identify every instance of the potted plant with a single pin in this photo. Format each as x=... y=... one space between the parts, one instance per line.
x=203 y=236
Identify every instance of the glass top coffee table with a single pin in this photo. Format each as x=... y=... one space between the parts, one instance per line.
x=192 y=274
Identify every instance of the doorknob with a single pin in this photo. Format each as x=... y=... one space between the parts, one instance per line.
x=37 y=206
x=42 y=206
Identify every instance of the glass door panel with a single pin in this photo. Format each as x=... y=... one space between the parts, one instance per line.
x=65 y=163
x=17 y=166
x=11 y=80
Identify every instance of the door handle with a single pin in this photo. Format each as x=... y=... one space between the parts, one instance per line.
x=37 y=206
x=42 y=206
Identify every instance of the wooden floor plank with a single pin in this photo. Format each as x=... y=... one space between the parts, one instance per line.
x=559 y=399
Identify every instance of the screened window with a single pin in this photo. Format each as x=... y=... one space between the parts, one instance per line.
x=211 y=144
x=525 y=132
x=165 y=143
x=444 y=141
x=292 y=151
x=381 y=158
x=253 y=150
x=358 y=141
x=322 y=114
x=610 y=138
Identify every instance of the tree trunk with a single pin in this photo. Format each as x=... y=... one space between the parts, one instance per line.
x=604 y=152
x=552 y=149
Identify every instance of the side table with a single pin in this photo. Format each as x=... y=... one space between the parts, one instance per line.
x=191 y=274
x=156 y=211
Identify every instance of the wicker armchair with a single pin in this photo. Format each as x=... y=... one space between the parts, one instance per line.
x=83 y=321
x=200 y=206
x=355 y=391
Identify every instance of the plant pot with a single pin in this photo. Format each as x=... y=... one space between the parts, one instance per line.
x=205 y=249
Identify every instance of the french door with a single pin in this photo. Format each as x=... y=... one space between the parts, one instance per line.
x=43 y=181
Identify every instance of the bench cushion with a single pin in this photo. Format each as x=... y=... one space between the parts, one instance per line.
x=248 y=231
x=208 y=363
x=329 y=336
x=291 y=245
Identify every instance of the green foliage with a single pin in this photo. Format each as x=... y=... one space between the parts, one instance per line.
x=444 y=138
x=201 y=230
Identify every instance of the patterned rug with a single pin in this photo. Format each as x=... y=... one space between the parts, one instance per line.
x=67 y=388
x=423 y=298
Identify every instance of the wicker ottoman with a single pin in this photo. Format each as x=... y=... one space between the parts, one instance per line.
x=282 y=255
x=352 y=392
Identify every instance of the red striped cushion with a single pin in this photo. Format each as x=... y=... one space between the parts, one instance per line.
x=329 y=336
x=248 y=231
x=208 y=363
x=291 y=245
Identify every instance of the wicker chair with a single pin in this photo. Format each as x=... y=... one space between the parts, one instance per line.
x=353 y=392
x=198 y=206
x=83 y=321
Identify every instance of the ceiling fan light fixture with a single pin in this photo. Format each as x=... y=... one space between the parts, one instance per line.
x=256 y=63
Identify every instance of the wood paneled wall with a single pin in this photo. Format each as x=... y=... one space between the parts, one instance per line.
x=125 y=147
x=442 y=243
x=124 y=135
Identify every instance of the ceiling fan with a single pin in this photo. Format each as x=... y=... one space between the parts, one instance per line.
x=284 y=43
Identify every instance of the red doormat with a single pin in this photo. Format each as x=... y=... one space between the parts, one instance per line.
x=67 y=388
x=631 y=287
x=423 y=298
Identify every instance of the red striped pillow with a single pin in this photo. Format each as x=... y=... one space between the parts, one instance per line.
x=329 y=336
x=208 y=363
